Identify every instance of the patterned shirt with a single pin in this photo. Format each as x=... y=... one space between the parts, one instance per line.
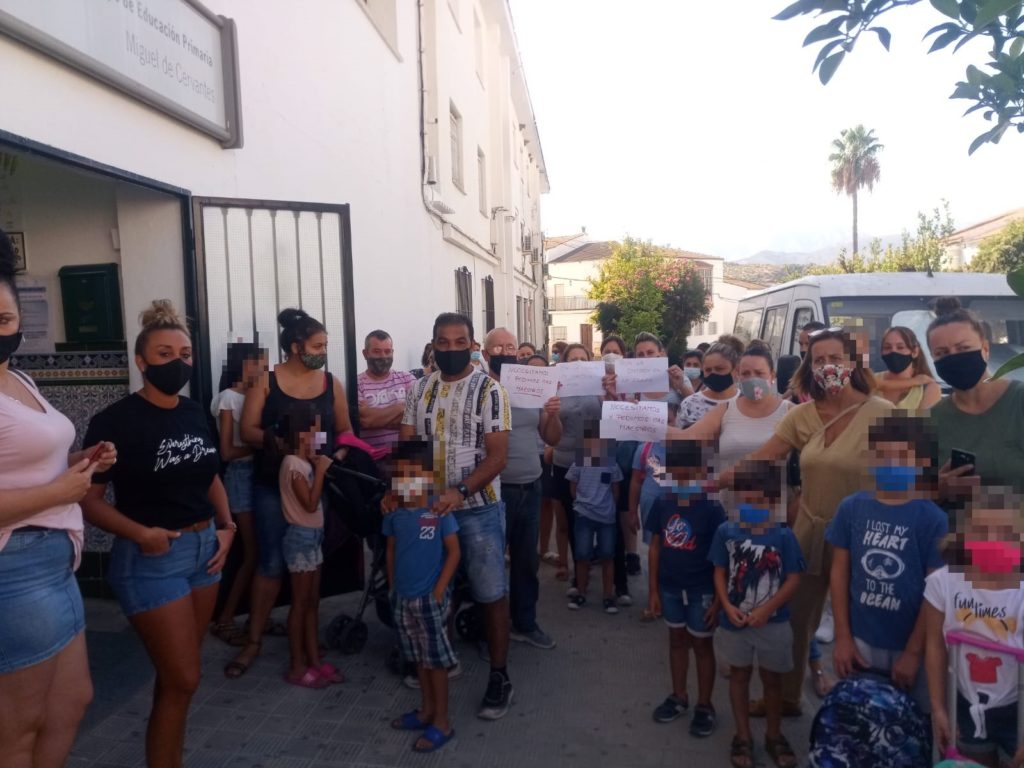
x=456 y=415
x=382 y=393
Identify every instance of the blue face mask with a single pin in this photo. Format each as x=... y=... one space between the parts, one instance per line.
x=555 y=357
x=751 y=514
x=690 y=489
x=890 y=478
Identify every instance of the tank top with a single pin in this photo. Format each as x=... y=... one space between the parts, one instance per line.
x=741 y=435
x=276 y=406
x=911 y=401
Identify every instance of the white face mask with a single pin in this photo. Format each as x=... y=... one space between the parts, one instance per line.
x=410 y=487
x=319 y=440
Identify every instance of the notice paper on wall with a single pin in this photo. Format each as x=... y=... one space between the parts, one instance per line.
x=641 y=374
x=529 y=386
x=37 y=335
x=646 y=421
x=580 y=378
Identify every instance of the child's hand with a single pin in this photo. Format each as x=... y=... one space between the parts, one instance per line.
x=759 y=616
x=711 y=615
x=389 y=503
x=845 y=656
x=654 y=604
x=438 y=595
x=905 y=668
x=943 y=732
x=736 y=617
x=323 y=463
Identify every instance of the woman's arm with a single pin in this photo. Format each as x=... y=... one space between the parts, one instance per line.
x=68 y=488
x=707 y=428
x=226 y=527
x=226 y=427
x=98 y=512
x=775 y=449
x=342 y=422
x=932 y=395
x=252 y=414
x=550 y=425
x=639 y=476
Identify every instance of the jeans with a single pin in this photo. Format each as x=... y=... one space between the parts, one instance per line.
x=482 y=540
x=522 y=531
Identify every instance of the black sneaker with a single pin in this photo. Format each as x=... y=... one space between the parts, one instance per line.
x=610 y=606
x=497 y=699
x=670 y=709
x=703 y=722
x=633 y=564
x=576 y=602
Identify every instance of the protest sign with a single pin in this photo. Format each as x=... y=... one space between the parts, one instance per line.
x=641 y=374
x=529 y=386
x=645 y=421
x=580 y=378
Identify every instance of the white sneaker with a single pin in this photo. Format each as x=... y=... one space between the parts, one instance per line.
x=624 y=600
x=572 y=592
x=826 y=632
x=412 y=681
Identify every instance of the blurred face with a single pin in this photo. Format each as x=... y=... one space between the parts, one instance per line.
x=954 y=338
x=755 y=510
x=253 y=369
x=896 y=454
x=614 y=347
x=411 y=481
x=715 y=363
x=576 y=355
x=648 y=349
x=310 y=440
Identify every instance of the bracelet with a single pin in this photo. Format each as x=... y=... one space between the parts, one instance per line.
x=232 y=526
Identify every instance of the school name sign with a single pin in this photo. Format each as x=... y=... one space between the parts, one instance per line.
x=174 y=55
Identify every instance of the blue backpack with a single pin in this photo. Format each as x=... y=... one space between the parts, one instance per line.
x=867 y=722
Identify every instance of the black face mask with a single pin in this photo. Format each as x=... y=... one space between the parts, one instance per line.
x=170 y=377
x=8 y=346
x=897 y=362
x=718 y=382
x=963 y=370
x=452 y=362
x=497 y=361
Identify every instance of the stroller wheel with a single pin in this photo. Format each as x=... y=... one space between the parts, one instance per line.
x=353 y=637
x=336 y=630
x=383 y=606
x=468 y=624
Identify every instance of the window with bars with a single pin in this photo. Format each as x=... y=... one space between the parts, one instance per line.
x=488 y=293
x=558 y=333
x=464 y=292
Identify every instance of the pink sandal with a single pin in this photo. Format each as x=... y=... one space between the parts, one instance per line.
x=331 y=674
x=310 y=679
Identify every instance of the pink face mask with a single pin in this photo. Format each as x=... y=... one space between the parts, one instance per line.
x=993 y=556
x=831 y=378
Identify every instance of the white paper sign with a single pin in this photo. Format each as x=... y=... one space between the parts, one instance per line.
x=641 y=374
x=529 y=386
x=645 y=421
x=580 y=378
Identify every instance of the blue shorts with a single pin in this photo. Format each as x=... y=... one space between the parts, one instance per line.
x=303 y=548
x=1000 y=730
x=238 y=480
x=482 y=541
x=584 y=534
x=146 y=582
x=685 y=609
x=270 y=527
x=40 y=605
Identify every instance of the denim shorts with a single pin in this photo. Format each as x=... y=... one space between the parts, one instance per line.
x=238 y=480
x=482 y=541
x=146 y=582
x=1000 y=730
x=685 y=609
x=771 y=645
x=303 y=548
x=40 y=605
x=584 y=533
x=270 y=528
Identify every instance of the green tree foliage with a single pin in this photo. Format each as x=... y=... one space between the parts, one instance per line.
x=855 y=166
x=1001 y=252
x=996 y=90
x=643 y=287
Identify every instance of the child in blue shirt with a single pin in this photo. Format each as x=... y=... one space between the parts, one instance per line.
x=682 y=523
x=422 y=555
x=886 y=541
x=757 y=572
x=594 y=483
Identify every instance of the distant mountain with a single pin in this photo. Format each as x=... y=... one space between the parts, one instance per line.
x=821 y=256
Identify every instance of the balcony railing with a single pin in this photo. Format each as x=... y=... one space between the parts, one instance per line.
x=569 y=303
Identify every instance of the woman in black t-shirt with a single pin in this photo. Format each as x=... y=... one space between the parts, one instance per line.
x=171 y=521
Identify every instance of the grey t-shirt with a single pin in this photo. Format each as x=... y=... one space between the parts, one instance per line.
x=575 y=411
x=523 y=458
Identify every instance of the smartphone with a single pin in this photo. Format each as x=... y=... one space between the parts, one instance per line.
x=960 y=458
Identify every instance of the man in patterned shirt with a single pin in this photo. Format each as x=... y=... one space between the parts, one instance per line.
x=466 y=414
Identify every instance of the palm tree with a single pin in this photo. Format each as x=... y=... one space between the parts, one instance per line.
x=855 y=165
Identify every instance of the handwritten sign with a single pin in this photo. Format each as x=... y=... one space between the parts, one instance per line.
x=580 y=378
x=529 y=386
x=646 y=421
x=641 y=374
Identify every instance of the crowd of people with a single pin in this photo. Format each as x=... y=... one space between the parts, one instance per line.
x=780 y=484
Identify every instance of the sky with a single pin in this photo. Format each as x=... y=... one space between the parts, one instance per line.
x=699 y=124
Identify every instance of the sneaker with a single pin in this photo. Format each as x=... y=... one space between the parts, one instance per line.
x=624 y=600
x=412 y=681
x=670 y=709
x=538 y=638
x=497 y=699
x=633 y=564
x=826 y=632
x=576 y=602
x=703 y=722
x=572 y=591
x=609 y=606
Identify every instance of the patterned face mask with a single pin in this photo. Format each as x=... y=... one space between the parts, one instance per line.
x=831 y=378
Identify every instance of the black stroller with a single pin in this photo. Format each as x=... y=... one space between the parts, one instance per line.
x=355 y=488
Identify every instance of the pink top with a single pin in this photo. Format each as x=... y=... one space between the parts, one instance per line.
x=294 y=512
x=34 y=450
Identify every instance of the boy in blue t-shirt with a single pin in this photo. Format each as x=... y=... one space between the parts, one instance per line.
x=886 y=542
x=682 y=523
x=422 y=555
x=757 y=571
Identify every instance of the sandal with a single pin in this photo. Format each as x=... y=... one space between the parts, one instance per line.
x=309 y=679
x=780 y=752
x=822 y=684
x=273 y=628
x=434 y=738
x=551 y=558
x=331 y=673
x=235 y=668
x=410 y=721
x=229 y=632
x=741 y=753
x=789 y=709
x=562 y=574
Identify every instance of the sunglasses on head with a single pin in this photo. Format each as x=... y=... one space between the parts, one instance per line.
x=820 y=331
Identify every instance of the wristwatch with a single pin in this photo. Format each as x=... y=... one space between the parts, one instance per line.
x=463 y=489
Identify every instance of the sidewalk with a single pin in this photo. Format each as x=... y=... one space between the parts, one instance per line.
x=586 y=703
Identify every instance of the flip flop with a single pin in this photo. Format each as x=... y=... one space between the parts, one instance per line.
x=409 y=722
x=234 y=669
x=436 y=739
x=331 y=673
x=551 y=558
x=309 y=679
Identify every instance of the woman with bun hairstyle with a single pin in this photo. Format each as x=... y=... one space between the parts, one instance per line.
x=830 y=431
x=982 y=416
x=908 y=382
x=171 y=521
x=719 y=379
x=300 y=378
x=44 y=672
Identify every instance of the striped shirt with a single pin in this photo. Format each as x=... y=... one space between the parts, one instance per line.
x=382 y=393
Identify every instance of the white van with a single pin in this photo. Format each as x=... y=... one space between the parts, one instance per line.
x=873 y=302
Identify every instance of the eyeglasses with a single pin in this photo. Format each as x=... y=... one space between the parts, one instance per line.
x=498 y=349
